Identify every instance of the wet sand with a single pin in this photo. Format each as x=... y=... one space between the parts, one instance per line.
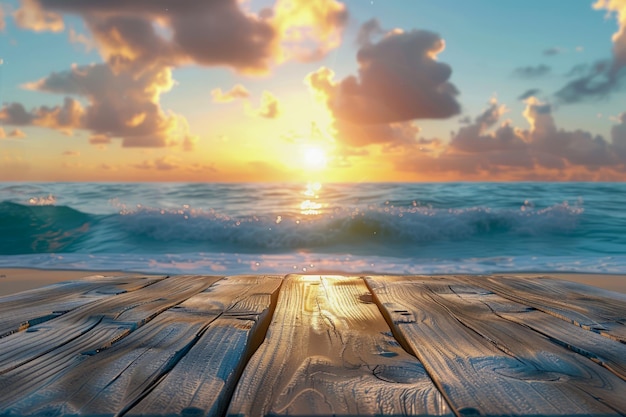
x=16 y=280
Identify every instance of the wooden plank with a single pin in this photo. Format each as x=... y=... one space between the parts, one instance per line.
x=185 y=350
x=489 y=365
x=593 y=309
x=329 y=351
x=607 y=353
x=31 y=359
x=205 y=378
x=20 y=311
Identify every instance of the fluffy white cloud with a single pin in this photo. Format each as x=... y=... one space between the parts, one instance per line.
x=121 y=104
x=399 y=80
x=237 y=92
x=270 y=106
x=31 y=15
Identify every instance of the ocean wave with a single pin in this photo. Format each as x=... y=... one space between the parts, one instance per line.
x=49 y=228
x=355 y=226
x=41 y=228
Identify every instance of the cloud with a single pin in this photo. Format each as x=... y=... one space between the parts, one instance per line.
x=143 y=40
x=164 y=163
x=532 y=72
x=17 y=133
x=200 y=32
x=81 y=39
x=2 y=21
x=528 y=93
x=109 y=167
x=619 y=38
x=367 y=31
x=358 y=135
x=197 y=167
x=342 y=156
x=399 y=80
x=307 y=30
x=604 y=77
x=237 y=92
x=618 y=135
x=552 y=51
x=71 y=153
x=15 y=114
x=170 y=163
x=474 y=137
x=13 y=134
x=270 y=106
x=34 y=17
x=100 y=140
x=489 y=147
x=121 y=104
x=595 y=82
x=574 y=147
x=63 y=118
x=208 y=33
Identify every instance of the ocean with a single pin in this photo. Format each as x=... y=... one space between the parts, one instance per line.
x=415 y=228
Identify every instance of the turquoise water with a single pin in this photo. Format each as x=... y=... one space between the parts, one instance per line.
x=243 y=228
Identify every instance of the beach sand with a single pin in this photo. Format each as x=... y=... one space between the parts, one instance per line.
x=15 y=280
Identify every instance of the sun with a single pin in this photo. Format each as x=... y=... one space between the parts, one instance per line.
x=314 y=158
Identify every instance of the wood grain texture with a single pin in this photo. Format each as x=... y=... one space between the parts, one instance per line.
x=20 y=311
x=593 y=309
x=487 y=364
x=193 y=349
x=205 y=377
x=328 y=352
x=610 y=354
x=31 y=359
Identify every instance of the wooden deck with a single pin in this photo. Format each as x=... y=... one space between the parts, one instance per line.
x=313 y=345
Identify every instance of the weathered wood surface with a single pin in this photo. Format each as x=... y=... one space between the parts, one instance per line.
x=313 y=345
x=592 y=309
x=488 y=365
x=329 y=352
x=19 y=311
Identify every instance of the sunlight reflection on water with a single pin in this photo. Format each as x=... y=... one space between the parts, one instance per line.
x=311 y=207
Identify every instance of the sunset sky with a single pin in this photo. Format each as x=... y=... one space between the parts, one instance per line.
x=303 y=90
